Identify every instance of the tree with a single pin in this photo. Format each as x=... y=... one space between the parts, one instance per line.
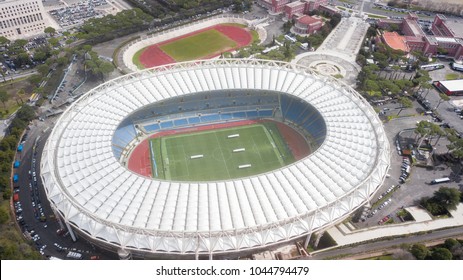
x=287 y=26
x=443 y=97
x=371 y=85
x=406 y=103
x=456 y=146
x=3 y=74
x=35 y=79
x=43 y=69
x=62 y=60
x=18 y=45
x=419 y=251
x=427 y=86
x=25 y=113
x=4 y=41
x=4 y=96
x=451 y=243
x=23 y=59
x=441 y=254
x=21 y=92
x=106 y=67
x=288 y=51
x=50 y=30
x=53 y=41
x=425 y=128
x=87 y=48
x=4 y=217
x=442 y=51
x=389 y=87
x=97 y=66
x=447 y=197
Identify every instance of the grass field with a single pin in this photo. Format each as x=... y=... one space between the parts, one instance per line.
x=198 y=46
x=453 y=76
x=265 y=150
x=15 y=97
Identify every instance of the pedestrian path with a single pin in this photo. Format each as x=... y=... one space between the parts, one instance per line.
x=344 y=236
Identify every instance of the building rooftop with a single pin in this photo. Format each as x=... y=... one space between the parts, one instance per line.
x=308 y=20
x=416 y=29
x=395 y=41
x=413 y=38
x=388 y=20
x=431 y=39
x=456 y=26
x=295 y=4
x=453 y=85
x=446 y=40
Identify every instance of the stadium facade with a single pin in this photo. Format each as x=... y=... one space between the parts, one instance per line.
x=98 y=198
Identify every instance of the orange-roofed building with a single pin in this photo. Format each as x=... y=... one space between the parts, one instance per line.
x=395 y=41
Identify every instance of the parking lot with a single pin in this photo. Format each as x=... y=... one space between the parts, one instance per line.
x=446 y=109
x=70 y=13
x=396 y=194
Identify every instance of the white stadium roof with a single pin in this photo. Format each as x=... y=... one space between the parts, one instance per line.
x=108 y=203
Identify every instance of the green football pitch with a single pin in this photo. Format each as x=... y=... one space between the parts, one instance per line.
x=264 y=150
x=198 y=46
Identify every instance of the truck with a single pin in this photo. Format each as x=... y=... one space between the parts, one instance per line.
x=74 y=255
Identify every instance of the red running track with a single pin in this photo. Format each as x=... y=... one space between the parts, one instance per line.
x=237 y=34
x=296 y=142
x=154 y=56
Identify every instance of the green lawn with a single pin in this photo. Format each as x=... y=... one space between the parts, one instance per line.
x=15 y=98
x=453 y=76
x=198 y=46
x=375 y=16
x=172 y=154
x=136 y=59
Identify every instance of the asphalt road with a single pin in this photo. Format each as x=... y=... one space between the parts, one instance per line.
x=33 y=191
x=385 y=244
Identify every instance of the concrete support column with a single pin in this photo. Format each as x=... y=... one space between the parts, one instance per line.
x=307 y=240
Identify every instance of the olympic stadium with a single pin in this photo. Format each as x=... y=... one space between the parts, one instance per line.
x=84 y=165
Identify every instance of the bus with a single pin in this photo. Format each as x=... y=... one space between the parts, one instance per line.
x=440 y=180
x=431 y=67
x=456 y=66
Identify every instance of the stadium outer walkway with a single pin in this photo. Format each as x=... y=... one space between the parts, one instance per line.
x=343 y=235
x=339 y=50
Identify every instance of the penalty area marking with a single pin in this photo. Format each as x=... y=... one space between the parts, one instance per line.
x=196 y=156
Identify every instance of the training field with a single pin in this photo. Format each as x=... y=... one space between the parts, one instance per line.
x=199 y=45
x=264 y=150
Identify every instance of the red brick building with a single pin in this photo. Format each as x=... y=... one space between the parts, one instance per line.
x=307 y=25
x=274 y=6
x=291 y=7
x=295 y=8
x=447 y=36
